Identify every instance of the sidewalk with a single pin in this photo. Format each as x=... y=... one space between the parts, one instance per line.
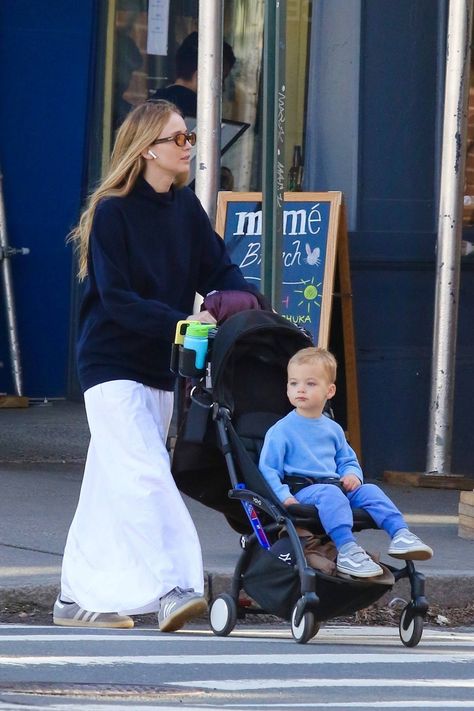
x=42 y=449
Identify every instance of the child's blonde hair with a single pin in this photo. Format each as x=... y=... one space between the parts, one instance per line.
x=319 y=356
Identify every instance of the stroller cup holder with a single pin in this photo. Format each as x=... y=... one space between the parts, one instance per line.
x=183 y=359
x=186 y=367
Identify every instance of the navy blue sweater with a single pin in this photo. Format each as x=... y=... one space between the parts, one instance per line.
x=149 y=253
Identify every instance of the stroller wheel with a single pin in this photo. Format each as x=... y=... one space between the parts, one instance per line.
x=307 y=628
x=410 y=633
x=223 y=615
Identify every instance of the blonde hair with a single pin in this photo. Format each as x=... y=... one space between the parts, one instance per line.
x=140 y=129
x=319 y=356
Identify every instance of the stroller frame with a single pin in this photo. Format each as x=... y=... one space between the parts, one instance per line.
x=304 y=624
x=306 y=606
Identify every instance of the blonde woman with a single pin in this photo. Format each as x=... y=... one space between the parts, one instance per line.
x=145 y=247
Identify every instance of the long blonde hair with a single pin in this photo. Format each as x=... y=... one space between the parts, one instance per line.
x=140 y=129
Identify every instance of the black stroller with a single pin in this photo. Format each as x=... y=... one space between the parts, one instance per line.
x=233 y=403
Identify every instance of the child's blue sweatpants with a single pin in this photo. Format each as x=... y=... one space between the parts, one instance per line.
x=335 y=509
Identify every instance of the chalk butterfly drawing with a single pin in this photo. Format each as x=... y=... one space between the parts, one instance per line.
x=312 y=256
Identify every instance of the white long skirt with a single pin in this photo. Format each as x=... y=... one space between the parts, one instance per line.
x=132 y=538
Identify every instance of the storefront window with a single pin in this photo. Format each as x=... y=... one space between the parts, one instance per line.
x=137 y=71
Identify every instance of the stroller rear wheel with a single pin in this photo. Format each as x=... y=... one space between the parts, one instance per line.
x=410 y=632
x=223 y=615
x=306 y=630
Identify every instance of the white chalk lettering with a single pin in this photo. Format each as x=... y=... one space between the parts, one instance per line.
x=249 y=223
x=314 y=218
x=252 y=256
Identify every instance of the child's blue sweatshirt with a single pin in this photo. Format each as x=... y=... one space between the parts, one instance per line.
x=312 y=447
x=149 y=254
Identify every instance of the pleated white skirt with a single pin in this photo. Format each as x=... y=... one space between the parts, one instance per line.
x=132 y=538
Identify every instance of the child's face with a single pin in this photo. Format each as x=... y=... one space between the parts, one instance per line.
x=308 y=388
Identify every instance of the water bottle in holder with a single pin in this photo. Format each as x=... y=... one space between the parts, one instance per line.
x=196 y=339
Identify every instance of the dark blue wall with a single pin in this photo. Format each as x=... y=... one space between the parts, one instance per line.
x=393 y=246
x=45 y=80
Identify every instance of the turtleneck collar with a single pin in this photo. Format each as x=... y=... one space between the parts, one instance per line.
x=144 y=188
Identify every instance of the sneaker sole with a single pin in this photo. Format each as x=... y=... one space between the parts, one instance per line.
x=412 y=555
x=123 y=624
x=176 y=620
x=356 y=574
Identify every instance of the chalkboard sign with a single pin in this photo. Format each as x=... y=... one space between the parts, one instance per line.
x=309 y=251
x=314 y=243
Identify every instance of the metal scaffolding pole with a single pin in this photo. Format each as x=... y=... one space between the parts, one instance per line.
x=449 y=236
x=209 y=103
x=6 y=252
x=273 y=159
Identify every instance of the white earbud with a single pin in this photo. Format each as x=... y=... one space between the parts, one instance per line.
x=153 y=155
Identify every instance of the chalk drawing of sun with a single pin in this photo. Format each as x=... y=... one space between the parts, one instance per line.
x=311 y=294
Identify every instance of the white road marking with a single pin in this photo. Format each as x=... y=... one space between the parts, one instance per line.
x=296 y=658
x=328 y=634
x=334 y=683
x=408 y=704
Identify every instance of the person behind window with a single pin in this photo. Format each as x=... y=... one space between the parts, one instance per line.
x=183 y=93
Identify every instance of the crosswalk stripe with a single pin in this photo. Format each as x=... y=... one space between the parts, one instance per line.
x=275 y=706
x=243 y=659
x=334 y=634
x=233 y=639
x=333 y=683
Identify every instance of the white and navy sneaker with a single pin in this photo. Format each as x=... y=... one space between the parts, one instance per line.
x=407 y=546
x=178 y=606
x=353 y=560
x=69 y=614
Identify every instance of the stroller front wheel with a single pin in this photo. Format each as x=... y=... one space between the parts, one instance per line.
x=223 y=615
x=410 y=633
x=306 y=630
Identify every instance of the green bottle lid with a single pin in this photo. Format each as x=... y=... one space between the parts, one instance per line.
x=199 y=330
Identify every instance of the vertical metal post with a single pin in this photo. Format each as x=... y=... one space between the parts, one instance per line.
x=449 y=236
x=273 y=172
x=9 y=298
x=209 y=103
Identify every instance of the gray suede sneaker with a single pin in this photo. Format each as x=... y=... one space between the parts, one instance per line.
x=178 y=606
x=353 y=560
x=69 y=614
x=407 y=546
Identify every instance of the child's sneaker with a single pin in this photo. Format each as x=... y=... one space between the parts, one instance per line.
x=69 y=614
x=406 y=545
x=178 y=606
x=353 y=560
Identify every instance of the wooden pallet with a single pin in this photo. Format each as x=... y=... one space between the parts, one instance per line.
x=13 y=401
x=429 y=481
x=466 y=515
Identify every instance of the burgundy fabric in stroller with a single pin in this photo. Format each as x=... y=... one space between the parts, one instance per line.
x=216 y=462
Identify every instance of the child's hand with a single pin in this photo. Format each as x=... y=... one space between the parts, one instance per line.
x=290 y=500
x=350 y=482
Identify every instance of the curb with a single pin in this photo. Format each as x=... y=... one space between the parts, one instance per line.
x=445 y=591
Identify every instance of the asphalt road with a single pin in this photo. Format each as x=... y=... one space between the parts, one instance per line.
x=344 y=667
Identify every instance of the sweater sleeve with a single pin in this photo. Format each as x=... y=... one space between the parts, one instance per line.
x=108 y=259
x=216 y=272
x=272 y=463
x=346 y=459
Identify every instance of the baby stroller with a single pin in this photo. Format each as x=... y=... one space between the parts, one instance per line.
x=241 y=394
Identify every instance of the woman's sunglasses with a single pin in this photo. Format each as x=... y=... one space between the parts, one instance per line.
x=180 y=139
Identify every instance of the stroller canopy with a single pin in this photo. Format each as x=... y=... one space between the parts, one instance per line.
x=249 y=358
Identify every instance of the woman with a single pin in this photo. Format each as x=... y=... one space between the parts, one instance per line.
x=145 y=247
